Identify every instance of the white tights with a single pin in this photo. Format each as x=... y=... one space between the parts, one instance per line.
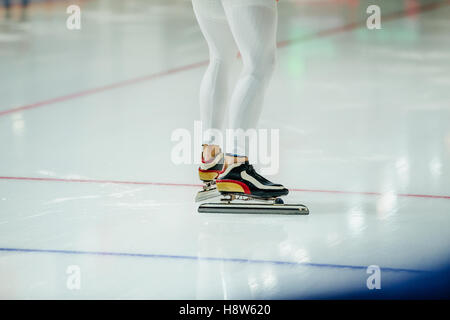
x=251 y=26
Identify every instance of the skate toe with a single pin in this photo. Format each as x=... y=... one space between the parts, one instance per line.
x=282 y=192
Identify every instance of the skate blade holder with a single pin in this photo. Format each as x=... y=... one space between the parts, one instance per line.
x=209 y=191
x=253 y=208
x=206 y=194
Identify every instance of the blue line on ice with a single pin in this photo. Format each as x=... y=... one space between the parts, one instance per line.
x=217 y=259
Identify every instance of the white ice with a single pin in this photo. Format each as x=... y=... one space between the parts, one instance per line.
x=86 y=115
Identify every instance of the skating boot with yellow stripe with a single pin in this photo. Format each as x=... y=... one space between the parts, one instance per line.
x=241 y=179
x=239 y=182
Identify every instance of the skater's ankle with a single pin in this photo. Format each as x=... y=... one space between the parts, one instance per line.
x=210 y=151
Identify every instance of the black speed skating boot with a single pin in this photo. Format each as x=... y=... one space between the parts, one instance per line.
x=241 y=179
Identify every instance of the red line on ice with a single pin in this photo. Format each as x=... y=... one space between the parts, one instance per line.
x=374 y=193
x=103 y=88
x=199 y=185
x=101 y=181
x=319 y=34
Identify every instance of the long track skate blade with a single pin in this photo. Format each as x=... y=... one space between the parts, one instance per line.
x=253 y=208
x=205 y=195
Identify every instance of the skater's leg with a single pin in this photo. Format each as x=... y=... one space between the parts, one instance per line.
x=253 y=24
x=222 y=55
x=210 y=151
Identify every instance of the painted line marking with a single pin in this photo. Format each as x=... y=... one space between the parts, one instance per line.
x=213 y=259
x=199 y=185
x=102 y=89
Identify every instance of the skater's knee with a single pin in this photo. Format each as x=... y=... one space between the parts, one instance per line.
x=221 y=57
x=260 y=67
x=217 y=62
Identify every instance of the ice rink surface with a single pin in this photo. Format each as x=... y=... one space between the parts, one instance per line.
x=86 y=177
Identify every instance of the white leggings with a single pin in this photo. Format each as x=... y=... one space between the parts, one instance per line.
x=229 y=26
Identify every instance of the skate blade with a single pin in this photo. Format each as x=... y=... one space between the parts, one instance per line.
x=253 y=208
x=205 y=195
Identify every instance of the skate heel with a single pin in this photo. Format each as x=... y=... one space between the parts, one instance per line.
x=232 y=186
x=210 y=170
x=207 y=175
